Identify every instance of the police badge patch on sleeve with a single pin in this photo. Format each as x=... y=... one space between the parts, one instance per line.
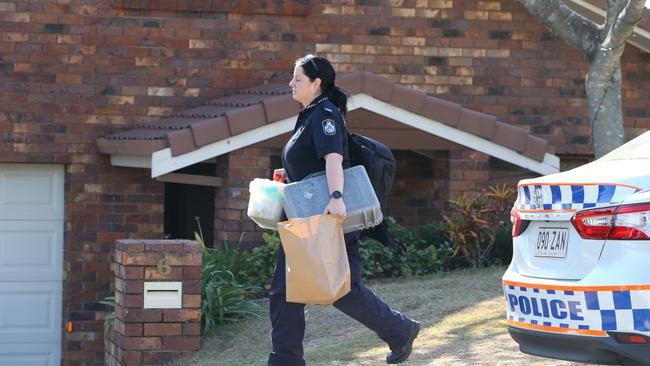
x=329 y=127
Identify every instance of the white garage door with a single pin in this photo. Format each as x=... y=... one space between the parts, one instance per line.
x=31 y=264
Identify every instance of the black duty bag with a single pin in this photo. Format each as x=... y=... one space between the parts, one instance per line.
x=379 y=163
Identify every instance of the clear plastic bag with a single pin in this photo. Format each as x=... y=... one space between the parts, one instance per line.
x=265 y=202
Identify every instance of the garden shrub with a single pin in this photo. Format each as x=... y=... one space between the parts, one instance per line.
x=261 y=261
x=223 y=299
x=474 y=224
x=501 y=197
x=475 y=231
x=426 y=252
x=226 y=295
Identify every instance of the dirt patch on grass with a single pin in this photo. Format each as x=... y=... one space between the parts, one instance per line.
x=462 y=314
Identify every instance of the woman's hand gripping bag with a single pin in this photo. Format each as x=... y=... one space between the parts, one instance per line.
x=317 y=268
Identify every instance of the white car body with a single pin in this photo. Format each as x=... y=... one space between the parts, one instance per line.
x=578 y=286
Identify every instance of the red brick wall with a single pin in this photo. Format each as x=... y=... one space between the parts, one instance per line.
x=102 y=204
x=424 y=184
x=82 y=69
x=71 y=71
x=420 y=187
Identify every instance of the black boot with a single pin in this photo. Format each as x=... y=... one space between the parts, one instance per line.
x=402 y=353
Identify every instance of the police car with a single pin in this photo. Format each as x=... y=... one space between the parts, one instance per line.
x=578 y=286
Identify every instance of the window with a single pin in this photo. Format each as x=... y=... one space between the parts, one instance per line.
x=185 y=202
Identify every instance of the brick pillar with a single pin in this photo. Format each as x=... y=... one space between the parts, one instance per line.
x=231 y=202
x=154 y=336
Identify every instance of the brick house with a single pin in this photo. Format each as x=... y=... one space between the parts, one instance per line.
x=99 y=95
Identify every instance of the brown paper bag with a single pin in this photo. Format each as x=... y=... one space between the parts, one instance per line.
x=317 y=268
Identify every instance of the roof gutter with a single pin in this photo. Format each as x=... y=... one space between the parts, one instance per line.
x=639 y=38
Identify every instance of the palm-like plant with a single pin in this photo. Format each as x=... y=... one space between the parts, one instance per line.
x=110 y=318
x=468 y=227
x=501 y=197
x=472 y=224
x=223 y=296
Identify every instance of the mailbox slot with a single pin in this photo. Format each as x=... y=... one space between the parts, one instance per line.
x=163 y=295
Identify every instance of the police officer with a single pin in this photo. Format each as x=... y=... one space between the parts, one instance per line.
x=319 y=142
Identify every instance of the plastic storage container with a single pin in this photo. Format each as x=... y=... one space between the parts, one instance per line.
x=265 y=202
x=310 y=197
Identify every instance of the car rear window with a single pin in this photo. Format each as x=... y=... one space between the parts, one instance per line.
x=638 y=148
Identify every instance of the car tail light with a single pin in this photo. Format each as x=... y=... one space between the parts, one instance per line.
x=629 y=222
x=594 y=224
x=630 y=338
x=518 y=225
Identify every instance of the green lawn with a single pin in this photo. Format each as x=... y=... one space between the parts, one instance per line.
x=462 y=313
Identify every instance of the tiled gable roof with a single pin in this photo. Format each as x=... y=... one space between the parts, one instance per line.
x=251 y=108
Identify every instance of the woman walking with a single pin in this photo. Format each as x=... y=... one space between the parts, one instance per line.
x=319 y=142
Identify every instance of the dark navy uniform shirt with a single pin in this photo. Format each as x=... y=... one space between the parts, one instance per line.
x=320 y=130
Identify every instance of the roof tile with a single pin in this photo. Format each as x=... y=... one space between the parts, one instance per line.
x=206 y=111
x=377 y=86
x=510 y=136
x=280 y=107
x=237 y=100
x=269 y=89
x=171 y=123
x=210 y=130
x=129 y=147
x=442 y=111
x=245 y=119
x=181 y=141
x=351 y=82
x=406 y=98
x=535 y=148
x=477 y=123
x=139 y=134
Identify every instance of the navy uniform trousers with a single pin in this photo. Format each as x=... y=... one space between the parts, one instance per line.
x=288 y=319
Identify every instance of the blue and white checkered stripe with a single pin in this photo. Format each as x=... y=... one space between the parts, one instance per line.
x=570 y=197
x=621 y=310
x=627 y=310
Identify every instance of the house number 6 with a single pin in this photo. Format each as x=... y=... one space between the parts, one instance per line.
x=163 y=267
